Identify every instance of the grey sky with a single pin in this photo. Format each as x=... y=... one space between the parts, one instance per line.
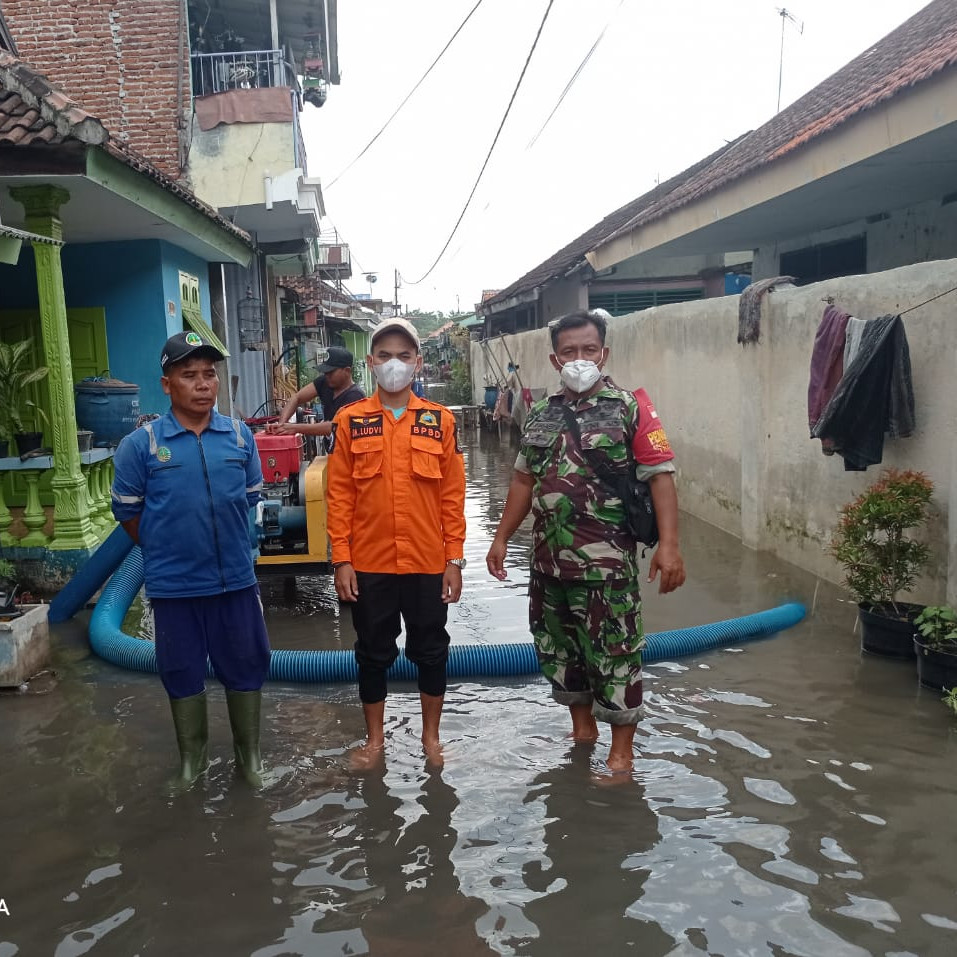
x=670 y=82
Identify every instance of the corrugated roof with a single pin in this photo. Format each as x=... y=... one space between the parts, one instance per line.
x=12 y=233
x=35 y=113
x=573 y=255
x=921 y=47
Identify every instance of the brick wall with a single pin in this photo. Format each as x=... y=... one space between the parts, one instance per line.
x=120 y=60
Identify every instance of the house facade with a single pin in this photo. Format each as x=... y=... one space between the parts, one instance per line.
x=856 y=177
x=212 y=95
x=119 y=257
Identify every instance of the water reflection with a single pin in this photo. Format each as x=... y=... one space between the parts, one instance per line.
x=789 y=797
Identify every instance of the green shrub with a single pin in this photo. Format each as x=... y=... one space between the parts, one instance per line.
x=937 y=625
x=879 y=560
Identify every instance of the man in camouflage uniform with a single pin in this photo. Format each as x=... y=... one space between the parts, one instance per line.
x=584 y=601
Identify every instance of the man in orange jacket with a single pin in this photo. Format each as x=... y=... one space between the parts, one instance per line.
x=397 y=525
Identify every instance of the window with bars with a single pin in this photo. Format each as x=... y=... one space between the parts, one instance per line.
x=847 y=257
x=634 y=300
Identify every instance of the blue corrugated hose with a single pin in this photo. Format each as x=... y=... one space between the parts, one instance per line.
x=465 y=661
x=98 y=567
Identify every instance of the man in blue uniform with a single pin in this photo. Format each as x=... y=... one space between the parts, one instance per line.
x=183 y=489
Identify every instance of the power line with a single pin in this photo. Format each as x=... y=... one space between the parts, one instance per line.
x=571 y=82
x=408 y=95
x=498 y=133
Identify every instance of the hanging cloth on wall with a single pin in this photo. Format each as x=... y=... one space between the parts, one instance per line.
x=827 y=362
x=749 y=307
x=855 y=329
x=874 y=397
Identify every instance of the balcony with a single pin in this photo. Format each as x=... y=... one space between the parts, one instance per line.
x=333 y=261
x=261 y=181
x=241 y=70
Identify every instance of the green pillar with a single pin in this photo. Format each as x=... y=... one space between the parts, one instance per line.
x=71 y=518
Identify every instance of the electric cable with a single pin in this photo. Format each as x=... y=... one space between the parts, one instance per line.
x=571 y=82
x=491 y=149
x=408 y=96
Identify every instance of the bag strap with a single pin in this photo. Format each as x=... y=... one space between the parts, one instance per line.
x=611 y=479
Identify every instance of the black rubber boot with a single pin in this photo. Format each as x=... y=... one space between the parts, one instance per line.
x=192 y=735
x=244 y=707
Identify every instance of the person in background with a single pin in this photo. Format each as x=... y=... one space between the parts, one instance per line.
x=584 y=602
x=184 y=484
x=334 y=387
x=397 y=527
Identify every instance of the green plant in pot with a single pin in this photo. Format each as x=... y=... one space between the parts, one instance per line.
x=881 y=560
x=17 y=373
x=936 y=647
x=8 y=586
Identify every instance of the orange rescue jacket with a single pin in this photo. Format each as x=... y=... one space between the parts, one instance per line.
x=396 y=496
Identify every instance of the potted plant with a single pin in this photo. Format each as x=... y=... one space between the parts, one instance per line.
x=880 y=560
x=8 y=588
x=16 y=374
x=936 y=647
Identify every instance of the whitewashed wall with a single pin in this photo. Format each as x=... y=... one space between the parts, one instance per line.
x=737 y=415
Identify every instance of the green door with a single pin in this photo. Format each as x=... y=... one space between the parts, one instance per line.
x=88 y=355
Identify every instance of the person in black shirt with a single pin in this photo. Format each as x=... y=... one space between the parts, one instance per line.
x=334 y=387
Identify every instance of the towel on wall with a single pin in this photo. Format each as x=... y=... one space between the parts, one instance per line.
x=749 y=307
x=827 y=362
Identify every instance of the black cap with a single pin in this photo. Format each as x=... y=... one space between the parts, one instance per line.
x=336 y=358
x=185 y=345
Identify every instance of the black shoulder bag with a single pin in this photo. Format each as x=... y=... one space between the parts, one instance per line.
x=635 y=495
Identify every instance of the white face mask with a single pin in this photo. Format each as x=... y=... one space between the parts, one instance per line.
x=394 y=375
x=580 y=375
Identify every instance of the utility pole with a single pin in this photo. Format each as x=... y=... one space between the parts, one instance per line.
x=785 y=15
x=395 y=295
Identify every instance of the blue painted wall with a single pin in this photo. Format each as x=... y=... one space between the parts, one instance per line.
x=133 y=281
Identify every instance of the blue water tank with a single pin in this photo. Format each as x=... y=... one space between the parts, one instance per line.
x=109 y=408
x=735 y=282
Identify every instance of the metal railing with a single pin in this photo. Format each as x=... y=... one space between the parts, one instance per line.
x=241 y=70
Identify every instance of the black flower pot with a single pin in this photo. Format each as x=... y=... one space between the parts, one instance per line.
x=884 y=633
x=4 y=448
x=935 y=669
x=28 y=441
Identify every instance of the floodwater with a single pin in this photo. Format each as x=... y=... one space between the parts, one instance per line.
x=789 y=797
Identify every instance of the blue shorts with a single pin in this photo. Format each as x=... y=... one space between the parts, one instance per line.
x=228 y=629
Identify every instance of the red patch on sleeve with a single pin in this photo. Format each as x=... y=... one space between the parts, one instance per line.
x=651 y=445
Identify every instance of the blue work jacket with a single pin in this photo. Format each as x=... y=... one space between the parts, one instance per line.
x=193 y=494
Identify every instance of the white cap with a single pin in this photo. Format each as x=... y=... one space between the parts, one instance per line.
x=396 y=325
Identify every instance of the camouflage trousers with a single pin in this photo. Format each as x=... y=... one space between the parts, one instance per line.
x=589 y=637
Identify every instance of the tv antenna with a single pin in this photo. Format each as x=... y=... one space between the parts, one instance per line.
x=785 y=15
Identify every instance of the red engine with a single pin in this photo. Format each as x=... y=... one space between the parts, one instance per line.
x=280 y=456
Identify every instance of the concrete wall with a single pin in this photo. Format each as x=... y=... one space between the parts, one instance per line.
x=737 y=416
x=220 y=170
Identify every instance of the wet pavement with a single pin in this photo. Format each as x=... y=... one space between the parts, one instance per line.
x=789 y=796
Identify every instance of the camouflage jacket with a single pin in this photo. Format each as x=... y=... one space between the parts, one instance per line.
x=579 y=531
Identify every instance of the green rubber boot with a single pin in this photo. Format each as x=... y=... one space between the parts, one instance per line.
x=244 y=709
x=192 y=735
